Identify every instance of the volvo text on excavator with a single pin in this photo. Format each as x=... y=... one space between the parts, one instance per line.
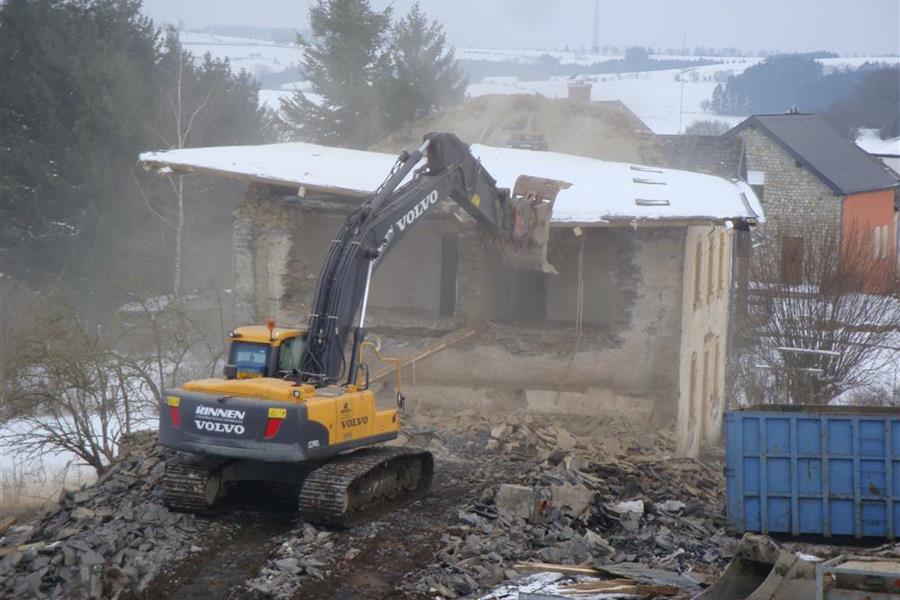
x=294 y=406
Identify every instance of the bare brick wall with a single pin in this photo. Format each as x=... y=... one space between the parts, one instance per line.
x=793 y=197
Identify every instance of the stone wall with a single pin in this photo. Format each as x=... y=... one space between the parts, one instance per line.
x=794 y=199
x=264 y=228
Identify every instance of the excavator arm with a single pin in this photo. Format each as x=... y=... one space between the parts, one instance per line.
x=519 y=224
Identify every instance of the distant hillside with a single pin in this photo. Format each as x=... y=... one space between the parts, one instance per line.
x=279 y=35
x=544 y=66
x=787 y=81
x=269 y=62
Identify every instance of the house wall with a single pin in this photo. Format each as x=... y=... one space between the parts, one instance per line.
x=864 y=213
x=706 y=300
x=628 y=354
x=630 y=350
x=798 y=203
x=262 y=238
x=793 y=197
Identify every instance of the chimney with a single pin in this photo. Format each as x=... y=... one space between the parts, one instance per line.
x=580 y=91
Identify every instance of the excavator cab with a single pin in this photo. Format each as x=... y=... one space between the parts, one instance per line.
x=258 y=351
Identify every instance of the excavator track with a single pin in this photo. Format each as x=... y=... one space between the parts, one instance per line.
x=354 y=487
x=193 y=483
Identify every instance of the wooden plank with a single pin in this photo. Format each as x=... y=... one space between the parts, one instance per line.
x=451 y=339
x=552 y=568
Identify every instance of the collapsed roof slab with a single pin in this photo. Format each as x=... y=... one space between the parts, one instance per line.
x=602 y=193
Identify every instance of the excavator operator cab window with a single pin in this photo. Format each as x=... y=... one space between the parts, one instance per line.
x=251 y=359
x=289 y=355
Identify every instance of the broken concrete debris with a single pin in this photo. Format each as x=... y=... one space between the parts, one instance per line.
x=614 y=506
x=515 y=501
x=102 y=540
x=569 y=499
x=304 y=552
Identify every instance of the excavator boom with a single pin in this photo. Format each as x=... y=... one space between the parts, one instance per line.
x=518 y=224
x=281 y=414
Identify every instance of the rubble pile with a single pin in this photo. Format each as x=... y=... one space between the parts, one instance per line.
x=569 y=499
x=104 y=539
x=304 y=552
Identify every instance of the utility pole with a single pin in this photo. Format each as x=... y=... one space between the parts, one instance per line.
x=595 y=42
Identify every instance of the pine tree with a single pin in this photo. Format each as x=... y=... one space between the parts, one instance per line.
x=84 y=85
x=75 y=79
x=427 y=77
x=348 y=64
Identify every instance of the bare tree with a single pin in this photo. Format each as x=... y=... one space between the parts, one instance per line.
x=823 y=319
x=171 y=344
x=78 y=400
x=707 y=127
x=79 y=390
x=175 y=134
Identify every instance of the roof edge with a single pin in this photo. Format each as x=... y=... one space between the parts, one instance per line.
x=836 y=189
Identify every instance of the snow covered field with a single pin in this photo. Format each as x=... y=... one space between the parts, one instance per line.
x=254 y=56
x=272 y=98
x=530 y=55
x=657 y=97
x=31 y=481
x=667 y=101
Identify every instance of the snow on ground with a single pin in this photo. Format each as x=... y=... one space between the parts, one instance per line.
x=871 y=142
x=655 y=96
x=844 y=62
x=32 y=480
x=254 y=56
x=272 y=98
x=667 y=101
x=530 y=55
x=549 y=585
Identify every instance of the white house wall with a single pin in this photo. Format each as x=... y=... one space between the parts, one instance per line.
x=705 y=318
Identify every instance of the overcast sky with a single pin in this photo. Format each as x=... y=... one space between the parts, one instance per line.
x=844 y=26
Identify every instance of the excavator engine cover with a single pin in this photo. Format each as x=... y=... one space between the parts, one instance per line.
x=530 y=214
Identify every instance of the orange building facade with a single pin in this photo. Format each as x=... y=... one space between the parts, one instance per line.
x=869 y=216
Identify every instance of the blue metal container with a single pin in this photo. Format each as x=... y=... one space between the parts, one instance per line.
x=805 y=470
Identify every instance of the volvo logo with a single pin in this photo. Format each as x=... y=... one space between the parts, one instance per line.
x=418 y=210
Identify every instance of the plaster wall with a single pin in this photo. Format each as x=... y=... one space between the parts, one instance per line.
x=706 y=297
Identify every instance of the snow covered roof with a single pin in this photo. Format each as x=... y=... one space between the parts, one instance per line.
x=871 y=142
x=601 y=191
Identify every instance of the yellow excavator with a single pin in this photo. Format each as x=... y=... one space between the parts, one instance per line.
x=294 y=406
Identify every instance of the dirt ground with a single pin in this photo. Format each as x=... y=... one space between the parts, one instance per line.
x=380 y=559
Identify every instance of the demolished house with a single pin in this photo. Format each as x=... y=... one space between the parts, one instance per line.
x=634 y=324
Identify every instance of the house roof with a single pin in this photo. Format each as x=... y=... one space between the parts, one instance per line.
x=838 y=162
x=710 y=154
x=607 y=130
x=602 y=192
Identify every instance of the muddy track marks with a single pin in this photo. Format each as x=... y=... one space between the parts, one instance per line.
x=382 y=553
x=226 y=561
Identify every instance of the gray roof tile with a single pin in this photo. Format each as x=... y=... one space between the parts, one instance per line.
x=838 y=162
